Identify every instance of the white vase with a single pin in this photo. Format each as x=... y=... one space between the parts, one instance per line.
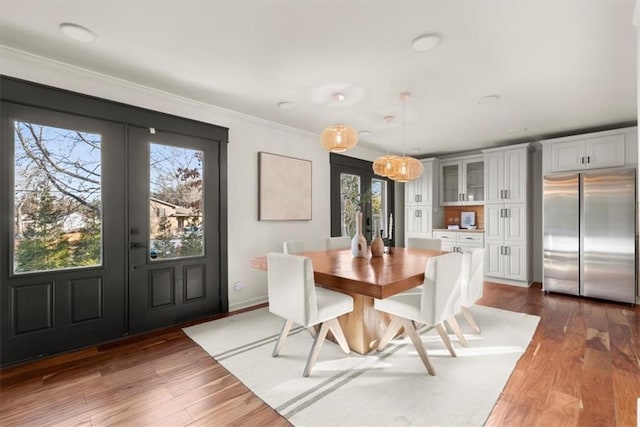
x=359 y=243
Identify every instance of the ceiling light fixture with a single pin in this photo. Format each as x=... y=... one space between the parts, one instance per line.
x=406 y=168
x=489 y=99
x=286 y=105
x=78 y=32
x=339 y=137
x=425 y=42
x=384 y=165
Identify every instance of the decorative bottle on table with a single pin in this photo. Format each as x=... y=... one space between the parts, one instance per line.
x=377 y=245
x=359 y=243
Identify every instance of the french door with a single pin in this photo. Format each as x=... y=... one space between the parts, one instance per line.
x=354 y=187
x=174 y=238
x=106 y=228
x=63 y=272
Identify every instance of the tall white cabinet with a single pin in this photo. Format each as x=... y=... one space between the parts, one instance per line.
x=421 y=208
x=507 y=210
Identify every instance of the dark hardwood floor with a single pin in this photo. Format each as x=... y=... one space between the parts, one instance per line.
x=581 y=369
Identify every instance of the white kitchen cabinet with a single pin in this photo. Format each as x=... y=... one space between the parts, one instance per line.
x=606 y=149
x=418 y=221
x=420 y=213
x=506 y=214
x=506 y=261
x=420 y=190
x=462 y=181
x=505 y=178
x=459 y=241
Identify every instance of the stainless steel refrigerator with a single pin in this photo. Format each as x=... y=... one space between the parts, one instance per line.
x=589 y=224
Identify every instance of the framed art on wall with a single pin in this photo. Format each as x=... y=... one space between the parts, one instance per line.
x=284 y=188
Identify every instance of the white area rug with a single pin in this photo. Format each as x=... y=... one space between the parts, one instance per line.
x=387 y=388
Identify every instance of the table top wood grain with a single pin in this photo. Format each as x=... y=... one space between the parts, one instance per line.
x=377 y=277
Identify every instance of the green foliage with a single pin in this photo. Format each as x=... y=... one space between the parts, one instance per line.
x=87 y=250
x=43 y=246
x=163 y=244
x=192 y=239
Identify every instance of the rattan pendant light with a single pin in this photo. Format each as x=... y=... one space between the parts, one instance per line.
x=384 y=165
x=405 y=168
x=339 y=137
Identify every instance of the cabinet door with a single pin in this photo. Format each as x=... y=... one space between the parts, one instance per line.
x=605 y=151
x=515 y=262
x=515 y=222
x=567 y=156
x=473 y=181
x=493 y=167
x=450 y=178
x=514 y=176
x=425 y=221
x=412 y=192
x=412 y=221
x=493 y=259
x=494 y=221
x=426 y=184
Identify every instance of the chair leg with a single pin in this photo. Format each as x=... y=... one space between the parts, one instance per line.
x=312 y=331
x=445 y=339
x=338 y=333
x=470 y=320
x=417 y=343
x=283 y=335
x=455 y=326
x=315 y=349
x=389 y=333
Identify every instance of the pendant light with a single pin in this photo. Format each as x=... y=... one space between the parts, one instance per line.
x=406 y=168
x=384 y=165
x=339 y=137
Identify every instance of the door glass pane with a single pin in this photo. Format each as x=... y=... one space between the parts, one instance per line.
x=379 y=208
x=176 y=202
x=57 y=221
x=349 y=198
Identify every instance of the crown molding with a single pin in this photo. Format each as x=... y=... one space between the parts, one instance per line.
x=39 y=69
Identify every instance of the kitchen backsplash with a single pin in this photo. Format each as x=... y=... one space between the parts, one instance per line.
x=452 y=215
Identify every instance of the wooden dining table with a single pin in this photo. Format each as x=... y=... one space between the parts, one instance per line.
x=365 y=279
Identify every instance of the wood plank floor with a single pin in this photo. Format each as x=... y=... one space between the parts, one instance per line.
x=582 y=368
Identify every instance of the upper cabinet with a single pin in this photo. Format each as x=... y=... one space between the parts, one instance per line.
x=506 y=178
x=420 y=190
x=607 y=149
x=462 y=181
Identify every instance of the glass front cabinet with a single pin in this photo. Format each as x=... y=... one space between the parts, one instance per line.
x=462 y=181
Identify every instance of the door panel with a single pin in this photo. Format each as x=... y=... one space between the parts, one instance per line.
x=174 y=237
x=63 y=279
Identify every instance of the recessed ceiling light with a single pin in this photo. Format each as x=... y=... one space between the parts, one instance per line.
x=287 y=105
x=78 y=32
x=364 y=133
x=489 y=99
x=425 y=42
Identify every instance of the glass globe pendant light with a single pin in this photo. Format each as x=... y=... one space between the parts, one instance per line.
x=406 y=168
x=339 y=137
x=384 y=165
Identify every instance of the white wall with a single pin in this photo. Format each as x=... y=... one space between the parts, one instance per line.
x=248 y=237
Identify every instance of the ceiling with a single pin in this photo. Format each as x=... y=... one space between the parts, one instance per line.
x=557 y=67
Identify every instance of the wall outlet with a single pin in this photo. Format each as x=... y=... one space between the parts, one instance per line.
x=238 y=285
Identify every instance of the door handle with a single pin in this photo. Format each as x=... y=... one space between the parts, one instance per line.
x=137 y=245
x=588 y=159
x=582 y=160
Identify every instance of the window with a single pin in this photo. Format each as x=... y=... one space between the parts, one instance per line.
x=57 y=221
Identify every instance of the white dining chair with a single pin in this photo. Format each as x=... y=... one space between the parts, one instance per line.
x=294 y=296
x=424 y=243
x=437 y=302
x=342 y=242
x=472 y=286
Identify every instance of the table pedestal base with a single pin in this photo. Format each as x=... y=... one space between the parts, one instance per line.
x=364 y=326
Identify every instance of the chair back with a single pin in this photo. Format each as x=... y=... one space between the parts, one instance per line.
x=291 y=288
x=297 y=246
x=342 y=242
x=441 y=289
x=472 y=276
x=424 y=243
